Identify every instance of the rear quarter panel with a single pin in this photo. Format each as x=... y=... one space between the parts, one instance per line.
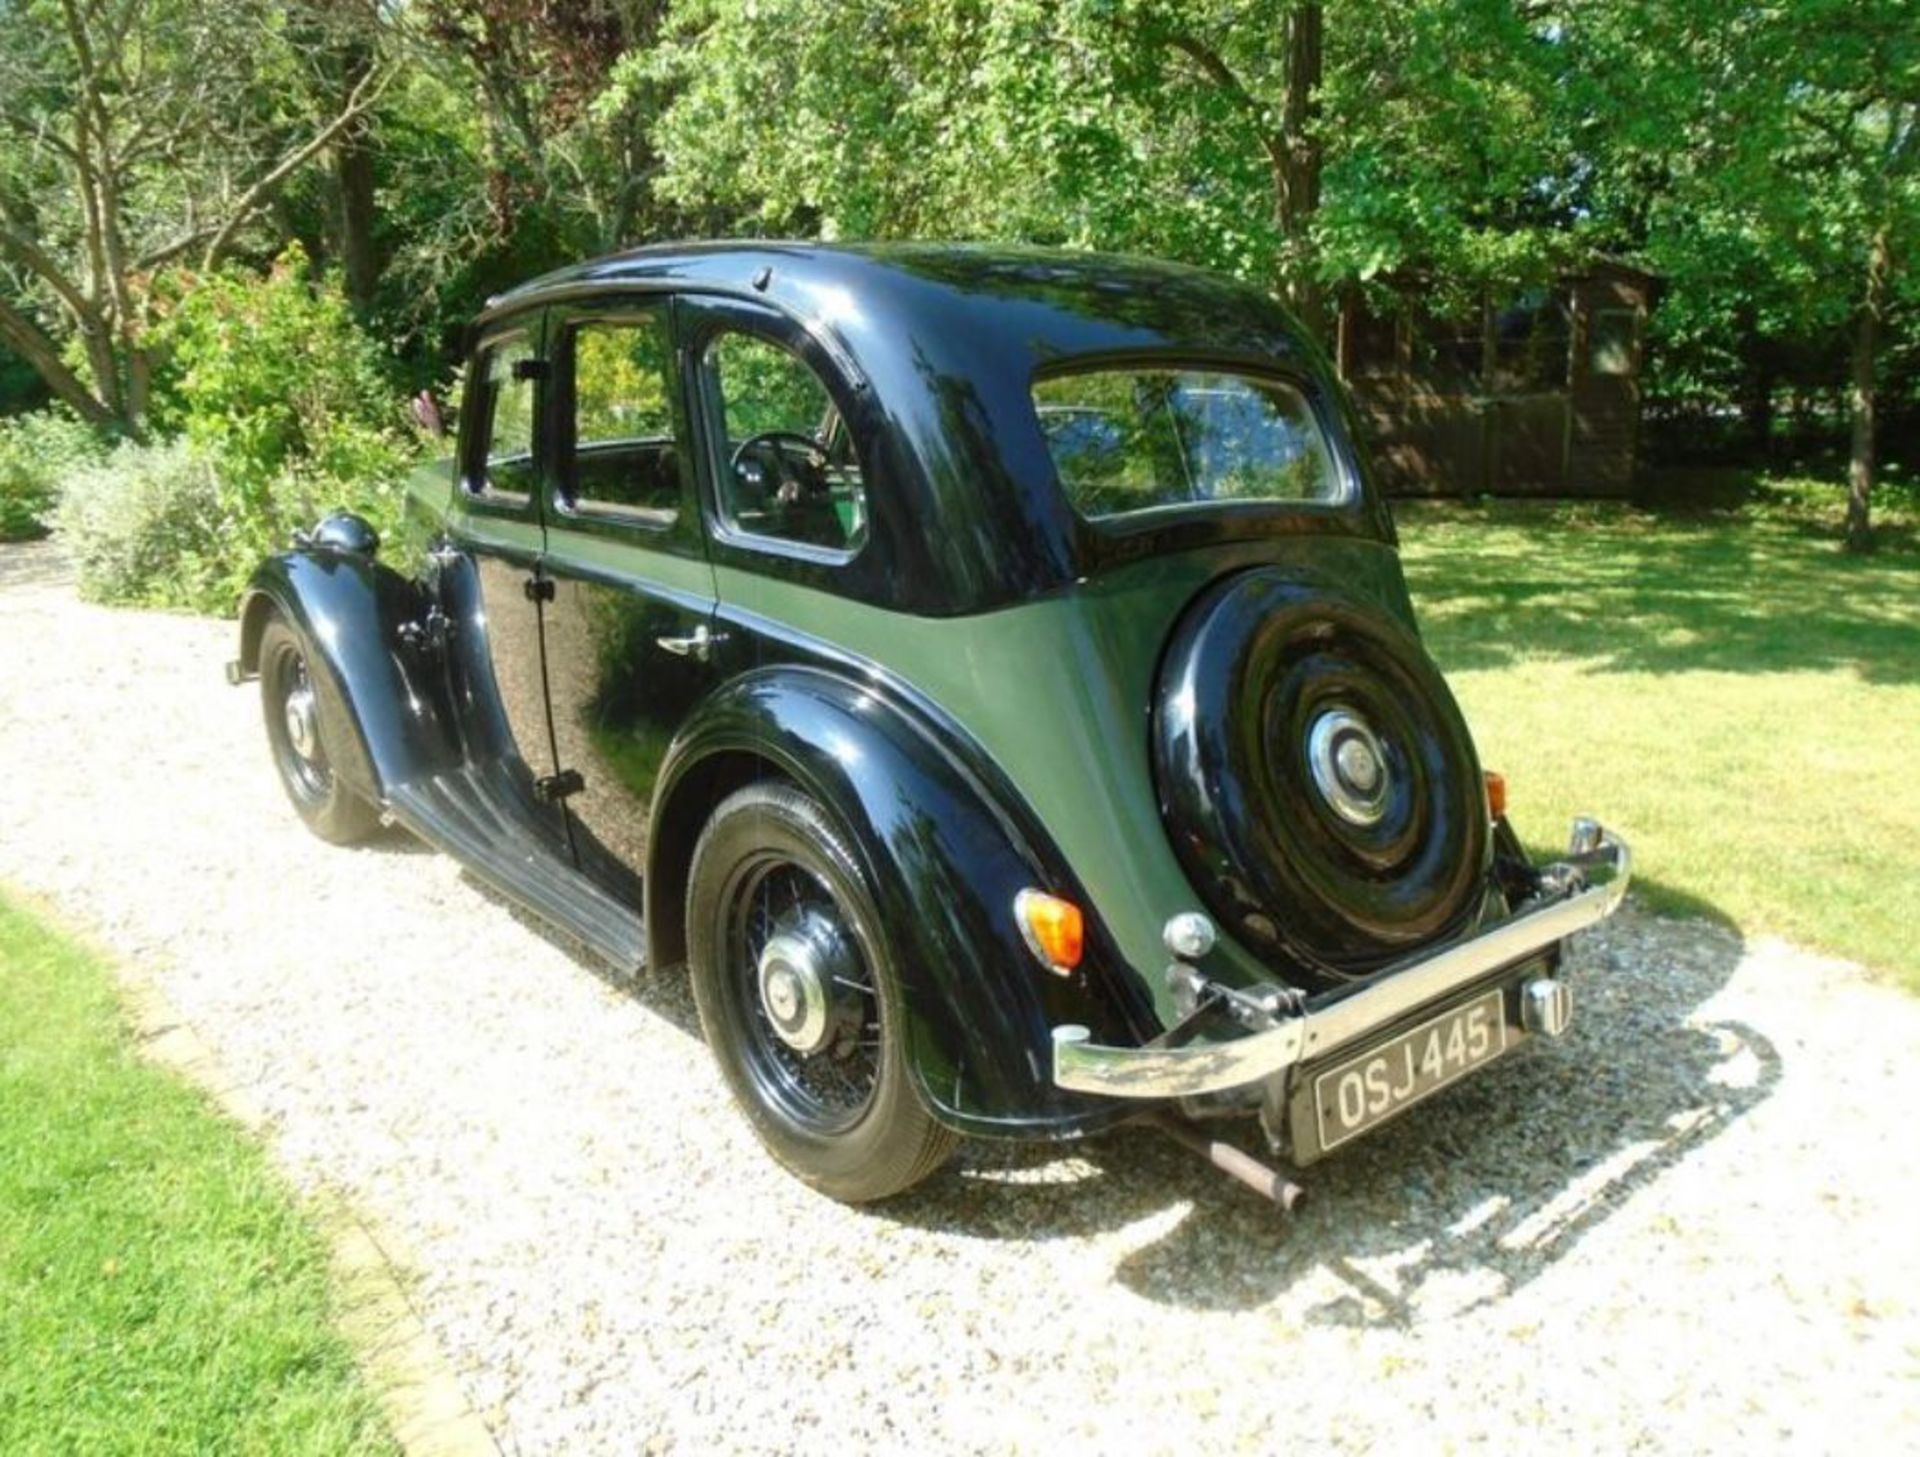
x=1055 y=696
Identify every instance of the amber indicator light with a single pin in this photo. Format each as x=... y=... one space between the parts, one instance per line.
x=1054 y=929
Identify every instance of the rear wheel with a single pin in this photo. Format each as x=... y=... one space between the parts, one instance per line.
x=290 y=704
x=793 y=975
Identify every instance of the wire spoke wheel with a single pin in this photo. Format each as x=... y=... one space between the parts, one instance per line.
x=290 y=704
x=805 y=995
x=295 y=730
x=793 y=971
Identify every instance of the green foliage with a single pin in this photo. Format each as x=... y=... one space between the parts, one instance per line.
x=620 y=381
x=20 y=388
x=1752 y=154
x=38 y=454
x=147 y=527
x=765 y=387
x=159 y=1290
x=1135 y=125
x=281 y=394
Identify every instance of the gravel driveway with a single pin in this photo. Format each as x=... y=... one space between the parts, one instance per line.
x=1689 y=1225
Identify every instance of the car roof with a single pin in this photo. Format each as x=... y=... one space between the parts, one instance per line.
x=949 y=337
x=1007 y=284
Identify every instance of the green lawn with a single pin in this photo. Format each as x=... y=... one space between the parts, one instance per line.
x=1724 y=685
x=159 y=1289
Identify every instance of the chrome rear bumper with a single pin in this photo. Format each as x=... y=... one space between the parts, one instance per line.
x=1580 y=890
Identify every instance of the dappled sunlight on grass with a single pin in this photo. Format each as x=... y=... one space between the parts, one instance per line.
x=1731 y=690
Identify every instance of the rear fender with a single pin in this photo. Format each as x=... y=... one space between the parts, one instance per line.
x=945 y=854
x=382 y=709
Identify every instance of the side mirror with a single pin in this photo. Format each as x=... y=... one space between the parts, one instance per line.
x=426 y=414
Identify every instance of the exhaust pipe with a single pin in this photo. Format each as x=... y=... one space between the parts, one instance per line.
x=1233 y=1161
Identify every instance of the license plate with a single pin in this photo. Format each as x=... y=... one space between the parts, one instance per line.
x=1369 y=1089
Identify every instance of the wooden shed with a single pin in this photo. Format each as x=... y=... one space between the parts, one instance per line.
x=1538 y=394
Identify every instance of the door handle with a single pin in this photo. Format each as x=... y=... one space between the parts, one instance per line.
x=698 y=644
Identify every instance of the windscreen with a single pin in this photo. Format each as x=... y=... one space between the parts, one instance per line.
x=1131 y=439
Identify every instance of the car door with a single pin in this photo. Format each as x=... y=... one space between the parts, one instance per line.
x=496 y=522
x=629 y=628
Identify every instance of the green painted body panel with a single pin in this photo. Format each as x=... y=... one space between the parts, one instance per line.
x=631 y=555
x=423 y=514
x=1057 y=692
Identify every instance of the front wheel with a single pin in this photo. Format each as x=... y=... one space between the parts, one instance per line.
x=793 y=977
x=292 y=710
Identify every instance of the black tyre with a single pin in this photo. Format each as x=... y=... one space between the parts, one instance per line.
x=794 y=979
x=1319 y=781
x=289 y=703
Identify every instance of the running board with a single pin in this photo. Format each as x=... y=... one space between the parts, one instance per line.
x=477 y=816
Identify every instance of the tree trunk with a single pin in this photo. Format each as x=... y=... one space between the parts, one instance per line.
x=1865 y=400
x=353 y=172
x=1297 y=178
x=1756 y=386
x=1757 y=414
x=353 y=176
x=24 y=339
x=139 y=390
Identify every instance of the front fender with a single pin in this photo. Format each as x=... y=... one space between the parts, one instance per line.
x=382 y=714
x=945 y=849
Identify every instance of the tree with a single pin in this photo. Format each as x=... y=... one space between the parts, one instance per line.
x=1766 y=158
x=144 y=133
x=1302 y=145
x=555 y=140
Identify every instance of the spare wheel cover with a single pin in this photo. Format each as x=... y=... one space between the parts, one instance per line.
x=1318 y=781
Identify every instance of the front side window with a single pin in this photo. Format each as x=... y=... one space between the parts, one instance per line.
x=625 y=461
x=506 y=465
x=790 y=472
x=1125 y=440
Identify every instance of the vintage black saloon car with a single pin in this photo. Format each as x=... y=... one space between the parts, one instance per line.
x=988 y=671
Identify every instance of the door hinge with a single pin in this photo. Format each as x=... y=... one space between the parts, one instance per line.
x=556 y=787
x=539 y=589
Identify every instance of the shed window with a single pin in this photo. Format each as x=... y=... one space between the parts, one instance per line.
x=1530 y=343
x=1610 y=339
x=1373 y=343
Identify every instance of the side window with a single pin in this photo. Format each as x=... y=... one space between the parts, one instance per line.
x=625 y=461
x=505 y=469
x=791 y=473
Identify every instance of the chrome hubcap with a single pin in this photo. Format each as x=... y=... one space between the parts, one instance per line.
x=302 y=732
x=802 y=969
x=1348 y=766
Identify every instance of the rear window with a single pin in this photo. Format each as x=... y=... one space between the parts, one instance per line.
x=1125 y=440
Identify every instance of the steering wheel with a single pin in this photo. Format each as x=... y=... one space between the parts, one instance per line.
x=789 y=483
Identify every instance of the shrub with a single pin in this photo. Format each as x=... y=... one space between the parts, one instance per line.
x=279 y=388
x=145 y=527
x=38 y=452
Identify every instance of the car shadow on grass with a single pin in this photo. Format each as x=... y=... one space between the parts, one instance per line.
x=1459 y=1203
